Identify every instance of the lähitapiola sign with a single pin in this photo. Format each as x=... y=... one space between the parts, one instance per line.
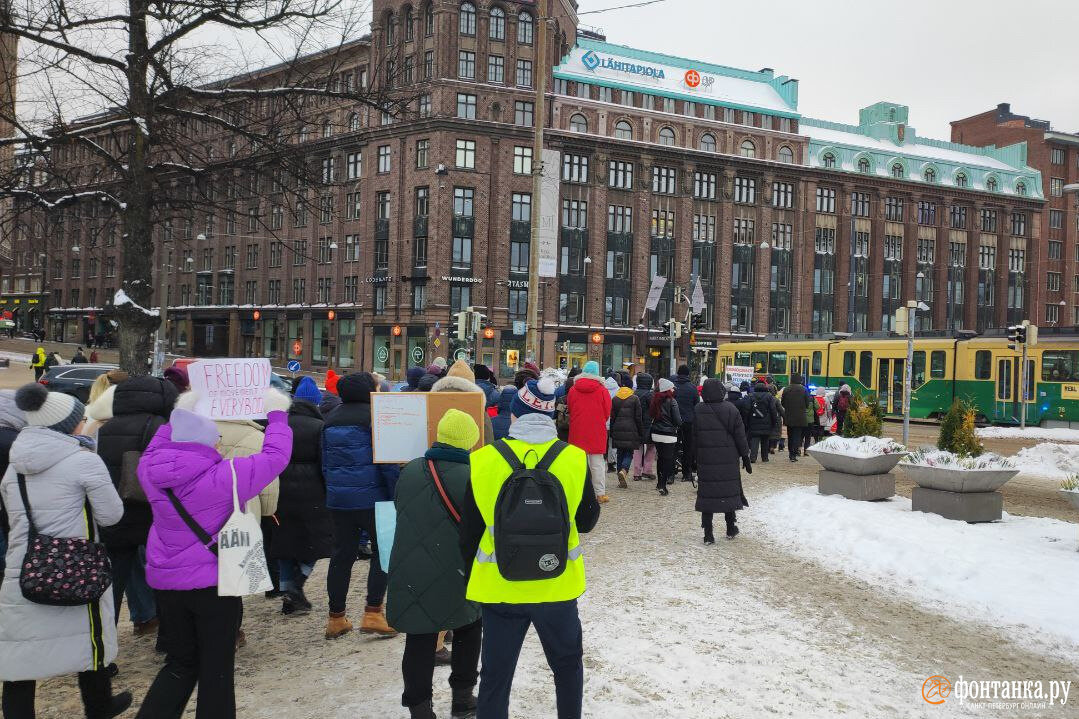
x=619 y=68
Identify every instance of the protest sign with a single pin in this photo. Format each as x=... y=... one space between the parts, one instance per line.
x=405 y=424
x=230 y=388
x=738 y=375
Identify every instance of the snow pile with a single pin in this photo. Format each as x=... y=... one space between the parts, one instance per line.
x=1048 y=459
x=859 y=446
x=947 y=460
x=1021 y=572
x=1057 y=434
x=121 y=298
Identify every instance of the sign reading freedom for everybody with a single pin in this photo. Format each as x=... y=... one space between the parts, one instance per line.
x=230 y=388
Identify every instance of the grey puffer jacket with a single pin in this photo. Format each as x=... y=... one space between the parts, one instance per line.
x=38 y=641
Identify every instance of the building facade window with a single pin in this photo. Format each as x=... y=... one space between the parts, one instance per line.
x=465 y=157
x=745 y=190
x=467 y=21
x=523 y=113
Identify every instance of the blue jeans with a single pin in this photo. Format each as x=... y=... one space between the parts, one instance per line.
x=129 y=578
x=504 y=628
x=625 y=459
x=292 y=570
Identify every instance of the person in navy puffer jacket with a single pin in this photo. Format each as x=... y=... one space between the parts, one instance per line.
x=501 y=421
x=353 y=485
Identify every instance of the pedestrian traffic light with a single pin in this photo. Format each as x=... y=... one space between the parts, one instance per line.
x=477 y=321
x=674 y=328
x=698 y=322
x=461 y=330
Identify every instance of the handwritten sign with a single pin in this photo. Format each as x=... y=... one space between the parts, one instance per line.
x=405 y=424
x=738 y=375
x=230 y=388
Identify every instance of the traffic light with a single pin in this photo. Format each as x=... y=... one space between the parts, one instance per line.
x=1032 y=335
x=1017 y=335
x=902 y=326
x=564 y=347
x=675 y=328
x=477 y=322
x=461 y=331
x=698 y=322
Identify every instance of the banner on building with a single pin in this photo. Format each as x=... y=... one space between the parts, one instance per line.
x=697 y=298
x=547 y=233
x=230 y=387
x=655 y=291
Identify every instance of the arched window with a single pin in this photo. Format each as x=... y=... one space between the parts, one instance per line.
x=828 y=160
x=497 y=30
x=708 y=142
x=666 y=136
x=428 y=20
x=524 y=29
x=389 y=26
x=930 y=175
x=991 y=184
x=327 y=128
x=410 y=25
x=748 y=149
x=467 y=22
x=786 y=155
x=863 y=166
x=354 y=122
x=578 y=123
x=897 y=170
x=623 y=130
x=1021 y=189
x=960 y=180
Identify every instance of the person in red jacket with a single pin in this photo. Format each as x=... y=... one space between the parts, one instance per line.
x=589 y=411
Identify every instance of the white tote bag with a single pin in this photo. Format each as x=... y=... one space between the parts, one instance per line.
x=241 y=560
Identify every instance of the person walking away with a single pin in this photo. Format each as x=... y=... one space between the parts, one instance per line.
x=79 y=357
x=841 y=406
x=37 y=363
x=777 y=443
x=540 y=592
x=93 y=357
x=627 y=428
x=412 y=379
x=12 y=420
x=500 y=423
x=561 y=403
x=687 y=395
x=666 y=421
x=795 y=401
x=67 y=492
x=426 y=589
x=190 y=487
x=304 y=533
x=459 y=378
x=763 y=421
x=720 y=443
x=824 y=413
x=644 y=457
x=589 y=407
x=354 y=483
x=485 y=380
x=812 y=426
x=140 y=406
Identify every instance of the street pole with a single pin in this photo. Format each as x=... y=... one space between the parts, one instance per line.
x=539 y=117
x=158 y=365
x=1023 y=381
x=908 y=374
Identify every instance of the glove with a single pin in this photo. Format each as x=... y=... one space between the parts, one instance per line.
x=747 y=465
x=276 y=401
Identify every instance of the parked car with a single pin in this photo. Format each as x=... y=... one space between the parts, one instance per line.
x=74 y=379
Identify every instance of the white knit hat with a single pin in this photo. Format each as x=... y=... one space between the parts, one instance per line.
x=665 y=385
x=53 y=410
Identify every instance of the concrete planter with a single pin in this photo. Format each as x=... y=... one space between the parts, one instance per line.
x=858 y=466
x=959 y=480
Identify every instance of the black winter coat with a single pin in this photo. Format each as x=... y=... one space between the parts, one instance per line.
x=140 y=406
x=765 y=419
x=687 y=395
x=305 y=531
x=669 y=420
x=627 y=422
x=720 y=442
x=795 y=403
x=644 y=393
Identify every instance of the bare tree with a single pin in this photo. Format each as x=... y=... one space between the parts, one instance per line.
x=144 y=110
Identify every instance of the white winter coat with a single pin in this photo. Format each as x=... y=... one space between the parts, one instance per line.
x=39 y=641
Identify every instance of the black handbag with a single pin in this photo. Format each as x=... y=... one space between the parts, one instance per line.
x=62 y=571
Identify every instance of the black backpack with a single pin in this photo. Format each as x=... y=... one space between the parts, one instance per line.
x=758 y=412
x=531 y=517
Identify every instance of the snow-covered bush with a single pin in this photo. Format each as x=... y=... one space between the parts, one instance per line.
x=859 y=446
x=948 y=460
x=1071 y=484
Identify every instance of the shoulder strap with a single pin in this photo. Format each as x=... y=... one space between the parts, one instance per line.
x=552 y=454
x=442 y=493
x=26 y=502
x=508 y=455
x=194 y=526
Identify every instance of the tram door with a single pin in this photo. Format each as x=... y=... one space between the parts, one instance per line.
x=1009 y=394
x=890 y=377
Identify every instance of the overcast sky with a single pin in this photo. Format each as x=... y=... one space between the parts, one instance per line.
x=945 y=59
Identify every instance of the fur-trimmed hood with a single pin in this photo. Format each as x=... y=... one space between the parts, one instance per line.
x=449 y=383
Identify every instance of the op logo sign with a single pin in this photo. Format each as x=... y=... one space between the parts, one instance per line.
x=693 y=78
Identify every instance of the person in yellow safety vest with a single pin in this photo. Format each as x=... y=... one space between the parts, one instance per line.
x=37 y=362
x=510 y=605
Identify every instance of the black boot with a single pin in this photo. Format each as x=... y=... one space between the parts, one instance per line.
x=709 y=538
x=97 y=696
x=422 y=711
x=732 y=530
x=464 y=704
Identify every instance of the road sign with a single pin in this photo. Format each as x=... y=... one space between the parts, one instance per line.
x=519 y=327
x=293 y=366
x=437 y=343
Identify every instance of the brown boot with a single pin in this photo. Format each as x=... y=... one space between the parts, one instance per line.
x=622 y=479
x=338 y=625
x=374 y=622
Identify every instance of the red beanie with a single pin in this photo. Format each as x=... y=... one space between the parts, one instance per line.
x=331 y=381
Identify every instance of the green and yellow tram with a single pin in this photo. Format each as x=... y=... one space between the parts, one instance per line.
x=980 y=369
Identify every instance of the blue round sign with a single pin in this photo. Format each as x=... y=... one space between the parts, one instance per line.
x=293 y=366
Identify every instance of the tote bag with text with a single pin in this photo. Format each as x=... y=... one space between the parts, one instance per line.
x=241 y=559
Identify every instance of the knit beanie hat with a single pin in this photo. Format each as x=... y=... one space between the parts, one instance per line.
x=482 y=372
x=190 y=427
x=591 y=367
x=436 y=369
x=461 y=369
x=331 y=381
x=458 y=429
x=413 y=376
x=665 y=385
x=178 y=376
x=53 y=410
x=356 y=387
x=440 y=362
x=306 y=389
x=10 y=415
x=537 y=396
x=683 y=370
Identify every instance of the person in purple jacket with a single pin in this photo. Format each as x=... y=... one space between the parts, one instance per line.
x=199 y=627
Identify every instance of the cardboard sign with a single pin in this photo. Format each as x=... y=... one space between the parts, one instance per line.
x=738 y=375
x=404 y=425
x=230 y=388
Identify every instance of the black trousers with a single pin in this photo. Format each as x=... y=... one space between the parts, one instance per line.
x=689 y=458
x=706 y=520
x=346 y=549
x=504 y=628
x=665 y=454
x=418 y=664
x=794 y=440
x=95 y=688
x=762 y=442
x=199 y=630
x=268 y=525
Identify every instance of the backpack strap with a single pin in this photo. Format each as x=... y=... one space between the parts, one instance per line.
x=26 y=503
x=552 y=454
x=454 y=514
x=508 y=455
x=206 y=539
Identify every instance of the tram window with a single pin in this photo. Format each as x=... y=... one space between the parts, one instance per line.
x=777 y=363
x=1060 y=366
x=741 y=359
x=865 y=369
x=760 y=361
x=983 y=364
x=918 y=369
x=937 y=363
x=817 y=357
x=848 y=364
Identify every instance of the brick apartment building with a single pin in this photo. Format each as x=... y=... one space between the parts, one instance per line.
x=1054 y=298
x=667 y=166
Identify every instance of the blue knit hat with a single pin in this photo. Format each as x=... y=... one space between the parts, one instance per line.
x=536 y=397
x=591 y=367
x=306 y=389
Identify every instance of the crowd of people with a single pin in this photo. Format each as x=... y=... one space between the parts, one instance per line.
x=488 y=521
